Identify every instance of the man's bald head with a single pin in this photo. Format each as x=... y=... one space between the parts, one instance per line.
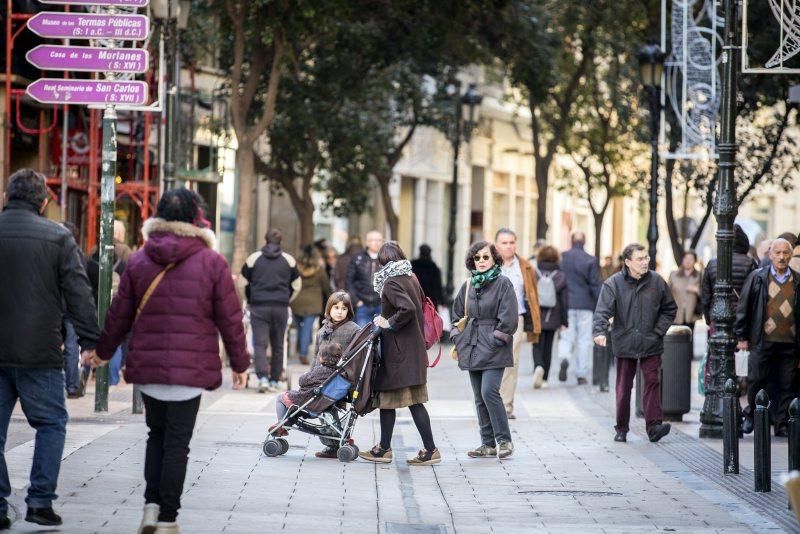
x=374 y=241
x=579 y=237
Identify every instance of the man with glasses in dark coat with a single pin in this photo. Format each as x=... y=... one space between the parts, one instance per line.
x=641 y=303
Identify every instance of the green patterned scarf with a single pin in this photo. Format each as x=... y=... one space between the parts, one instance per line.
x=480 y=279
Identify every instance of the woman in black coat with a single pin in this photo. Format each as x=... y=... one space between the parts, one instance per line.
x=484 y=347
x=403 y=375
x=554 y=318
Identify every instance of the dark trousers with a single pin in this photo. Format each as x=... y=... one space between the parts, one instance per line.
x=41 y=395
x=171 y=424
x=762 y=365
x=492 y=418
x=651 y=397
x=269 y=328
x=543 y=351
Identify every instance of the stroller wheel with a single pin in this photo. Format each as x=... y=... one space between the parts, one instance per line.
x=348 y=453
x=284 y=445
x=272 y=448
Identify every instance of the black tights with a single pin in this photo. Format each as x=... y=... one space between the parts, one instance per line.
x=421 y=419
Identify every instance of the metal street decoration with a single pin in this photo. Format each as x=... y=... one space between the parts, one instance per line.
x=692 y=76
x=58 y=25
x=65 y=91
x=117 y=3
x=786 y=18
x=88 y=59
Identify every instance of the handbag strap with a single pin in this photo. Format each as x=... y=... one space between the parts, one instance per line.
x=466 y=298
x=152 y=287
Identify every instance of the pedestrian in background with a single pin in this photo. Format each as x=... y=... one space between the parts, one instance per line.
x=794 y=263
x=583 y=285
x=487 y=306
x=74 y=377
x=308 y=305
x=402 y=377
x=331 y=257
x=271 y=282
x=554 y=318
x=41 y=271
x=175 y=298
x=353 y=249
x=523 y=278
x=685 y=286
x=641 y=304
x=429 y=275
x=741 y=267
x=768 y=325
x=358 y=283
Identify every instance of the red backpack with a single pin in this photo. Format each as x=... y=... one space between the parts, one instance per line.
x=434 y=326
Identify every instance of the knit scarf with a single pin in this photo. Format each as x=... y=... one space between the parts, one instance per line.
x=328 y=327
x=393 y=268
x=480 y=279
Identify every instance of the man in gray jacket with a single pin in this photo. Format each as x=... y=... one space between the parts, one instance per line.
x=643 y=309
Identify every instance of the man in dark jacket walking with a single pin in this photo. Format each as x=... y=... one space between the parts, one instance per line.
x=429 y=275
x=40 y=267
x=768 y=325
x=271 y=283
x=358 y=281
x=583 y=287
x=641 y=303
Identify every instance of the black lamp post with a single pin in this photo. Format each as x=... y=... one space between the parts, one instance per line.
x=471 y=98
x=651 y=65
x=721 y=345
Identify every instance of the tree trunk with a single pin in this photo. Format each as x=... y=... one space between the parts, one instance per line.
x=391 y=215
x=672 y=227
x=542 y=170
x=245 y=211
x=598 y=231
x=306 y=215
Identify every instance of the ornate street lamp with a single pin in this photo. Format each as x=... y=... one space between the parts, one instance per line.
x=471 y=99
x=174 y=15
x=721 y=344
x=651 y=64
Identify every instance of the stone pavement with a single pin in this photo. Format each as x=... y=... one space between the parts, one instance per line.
x=566 y=475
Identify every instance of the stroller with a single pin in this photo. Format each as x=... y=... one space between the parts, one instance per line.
x=327 y=415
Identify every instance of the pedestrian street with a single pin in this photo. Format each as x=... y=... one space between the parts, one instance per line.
x=566 y=475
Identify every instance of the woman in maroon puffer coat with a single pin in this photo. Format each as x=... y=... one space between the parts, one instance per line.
x=174 y=349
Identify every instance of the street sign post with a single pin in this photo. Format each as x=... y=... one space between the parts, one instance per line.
x=64 y=91
x=88 y=58
x=58 y=25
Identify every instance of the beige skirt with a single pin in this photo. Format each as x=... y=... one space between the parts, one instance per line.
x=403 y=397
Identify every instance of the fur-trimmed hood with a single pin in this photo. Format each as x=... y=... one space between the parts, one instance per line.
x=171 y=241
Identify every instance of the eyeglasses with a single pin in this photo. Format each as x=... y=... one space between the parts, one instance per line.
x=485 y=257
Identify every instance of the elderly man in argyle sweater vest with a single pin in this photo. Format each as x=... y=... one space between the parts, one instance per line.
x=768 y=324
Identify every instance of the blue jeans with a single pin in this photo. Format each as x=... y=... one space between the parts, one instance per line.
x=72 y=356
x=115 y=366
x=365 y=313
x=305 y=328
x=576 y=343
x=41 y=394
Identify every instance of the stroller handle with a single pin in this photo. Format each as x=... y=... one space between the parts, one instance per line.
x=376 y=332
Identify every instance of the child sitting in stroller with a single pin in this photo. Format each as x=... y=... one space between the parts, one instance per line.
x=327 y=358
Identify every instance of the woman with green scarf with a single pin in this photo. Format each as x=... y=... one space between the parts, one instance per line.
x=486 y=315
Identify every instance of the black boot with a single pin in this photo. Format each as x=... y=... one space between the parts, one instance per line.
x=5 y=522
x=43 y=516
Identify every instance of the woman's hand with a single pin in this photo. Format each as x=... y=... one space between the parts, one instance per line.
x=239 y=379
x=381 y=322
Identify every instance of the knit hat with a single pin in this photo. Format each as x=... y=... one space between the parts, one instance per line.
x=741 y=243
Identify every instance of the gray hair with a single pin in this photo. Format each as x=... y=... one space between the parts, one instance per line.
x=627 y=252
x=27 y=185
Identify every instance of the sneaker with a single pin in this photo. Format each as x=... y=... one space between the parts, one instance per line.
x=484 y=451
x=658 y=431
x=377 y=455
x=167 y=528
x=303 y=359
x=275 y=386
x=545 y=385
x=511 y=415
x=5 y=522
x=581 y=381
x=538 y=377
x=73 y=395
x=506 y=449
x=621 y=437
x=149 y=519
x=562 y=373
x=424 y=457
x=327 y=452
x=263 y=385
x=43 y=516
